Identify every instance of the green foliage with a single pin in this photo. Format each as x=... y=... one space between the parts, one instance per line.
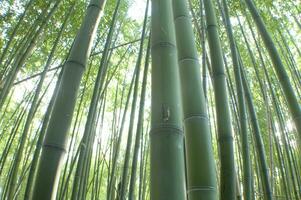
x=280 y=21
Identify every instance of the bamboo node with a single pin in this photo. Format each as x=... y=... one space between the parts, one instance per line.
x=200 y=188
x=54 y=146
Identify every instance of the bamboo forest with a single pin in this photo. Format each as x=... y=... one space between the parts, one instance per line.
x=150 y=99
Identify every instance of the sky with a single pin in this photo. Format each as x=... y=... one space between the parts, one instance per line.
x=136 y=10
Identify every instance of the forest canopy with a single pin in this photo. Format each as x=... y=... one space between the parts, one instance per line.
x=152 y=99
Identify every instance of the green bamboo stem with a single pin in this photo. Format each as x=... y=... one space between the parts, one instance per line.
x=55 y=139
x=124 y=177
x=32 y=110
x=112 y=178
x=258 y=140
x=166 y=135
x=225 y=137
x=241 y=107
x=201 y=173
x=88 y=135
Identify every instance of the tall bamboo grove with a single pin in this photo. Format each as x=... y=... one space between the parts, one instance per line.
x=150 y=99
